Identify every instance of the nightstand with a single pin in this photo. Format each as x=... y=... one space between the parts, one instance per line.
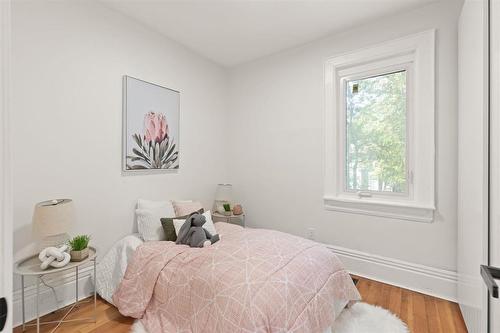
x=234 y=219
x=31 y=267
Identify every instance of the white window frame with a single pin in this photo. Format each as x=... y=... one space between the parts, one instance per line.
x=416 y=55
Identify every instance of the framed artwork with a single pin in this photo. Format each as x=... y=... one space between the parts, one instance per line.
x=150 y=126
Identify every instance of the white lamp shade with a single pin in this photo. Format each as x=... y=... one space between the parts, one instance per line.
x=224 y=192
x=53 y=217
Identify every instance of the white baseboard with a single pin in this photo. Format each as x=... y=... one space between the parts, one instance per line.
x=65 y=288
x=424 y=279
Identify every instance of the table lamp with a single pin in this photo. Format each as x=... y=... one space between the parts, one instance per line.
x=223 y=195
x=52 y=220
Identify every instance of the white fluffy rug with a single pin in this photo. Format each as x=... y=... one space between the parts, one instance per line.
x=366 y=318
x=138 y=327
x=359 y=318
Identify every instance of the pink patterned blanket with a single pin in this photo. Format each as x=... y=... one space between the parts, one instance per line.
x=252 y=280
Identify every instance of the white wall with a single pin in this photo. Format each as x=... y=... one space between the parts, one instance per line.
x=69 y=58
x=277 y=144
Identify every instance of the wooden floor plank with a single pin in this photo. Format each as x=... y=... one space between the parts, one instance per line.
x=384 y=299
x=420 y=312
x=374 y=293
x=433 y=322
x=458 y=319
x=363 y=286
x=445 y=316
x=394 y=300
x=409 y=309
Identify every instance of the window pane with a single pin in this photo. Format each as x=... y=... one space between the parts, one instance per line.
x=376 y=133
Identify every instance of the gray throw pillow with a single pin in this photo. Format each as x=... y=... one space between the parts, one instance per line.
x=168 y=225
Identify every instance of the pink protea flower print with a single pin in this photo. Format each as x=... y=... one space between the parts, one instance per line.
x=155 y=149
x=155 y=127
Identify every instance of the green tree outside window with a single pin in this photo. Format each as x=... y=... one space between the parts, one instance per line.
x=376 y=133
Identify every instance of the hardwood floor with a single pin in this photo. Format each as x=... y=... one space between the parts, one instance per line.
x=422 y=313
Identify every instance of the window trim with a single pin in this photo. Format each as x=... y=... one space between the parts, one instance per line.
x=416 y=54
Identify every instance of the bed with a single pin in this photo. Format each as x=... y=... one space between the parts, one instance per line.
x=252 y=280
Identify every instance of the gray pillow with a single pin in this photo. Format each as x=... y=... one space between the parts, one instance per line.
x=168 y=225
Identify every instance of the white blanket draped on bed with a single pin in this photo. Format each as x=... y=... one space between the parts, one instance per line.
x=113 y=265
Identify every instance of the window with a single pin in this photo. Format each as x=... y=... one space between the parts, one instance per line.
x=375 y=133
x=379 y=118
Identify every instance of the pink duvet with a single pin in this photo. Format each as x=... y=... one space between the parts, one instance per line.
x=252 y=280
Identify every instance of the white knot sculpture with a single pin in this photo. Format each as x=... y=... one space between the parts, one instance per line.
x=55 y=257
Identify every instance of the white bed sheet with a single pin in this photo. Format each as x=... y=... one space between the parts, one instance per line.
x=113 y=265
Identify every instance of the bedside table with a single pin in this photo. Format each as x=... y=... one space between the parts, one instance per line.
x=234 y=219
x=31 y=267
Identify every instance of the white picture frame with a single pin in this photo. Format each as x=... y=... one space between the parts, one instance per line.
x=151 y=124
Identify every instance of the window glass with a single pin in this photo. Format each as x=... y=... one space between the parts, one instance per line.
x=376 y=146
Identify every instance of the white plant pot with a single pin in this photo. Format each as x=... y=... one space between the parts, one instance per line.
x=79 y=255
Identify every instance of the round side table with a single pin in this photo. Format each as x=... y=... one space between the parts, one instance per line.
x=31 y=267
x=234 y=219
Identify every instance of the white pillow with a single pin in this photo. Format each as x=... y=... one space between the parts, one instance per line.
x=149 y=214
x=208 y=226
x=164 y=208
x=181 y=201
x=149 y=225
x=177 y=225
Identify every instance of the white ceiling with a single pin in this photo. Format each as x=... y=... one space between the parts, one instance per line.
x=232 y=32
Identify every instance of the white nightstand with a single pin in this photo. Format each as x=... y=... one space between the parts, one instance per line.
x=234 y=219
x=31 y=267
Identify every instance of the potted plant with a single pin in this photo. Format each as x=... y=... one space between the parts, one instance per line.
x=79 y=247
x=227 y=209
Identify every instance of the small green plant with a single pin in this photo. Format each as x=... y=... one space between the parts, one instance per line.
x=79 y=242
x=227 y=207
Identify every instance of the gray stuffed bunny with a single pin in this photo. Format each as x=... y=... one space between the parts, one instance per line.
x=193 y=234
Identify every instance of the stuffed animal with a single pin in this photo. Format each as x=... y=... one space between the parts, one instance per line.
x=193 y=234
x=55 y=257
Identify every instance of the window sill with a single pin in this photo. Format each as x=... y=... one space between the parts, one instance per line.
x=390 y=209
